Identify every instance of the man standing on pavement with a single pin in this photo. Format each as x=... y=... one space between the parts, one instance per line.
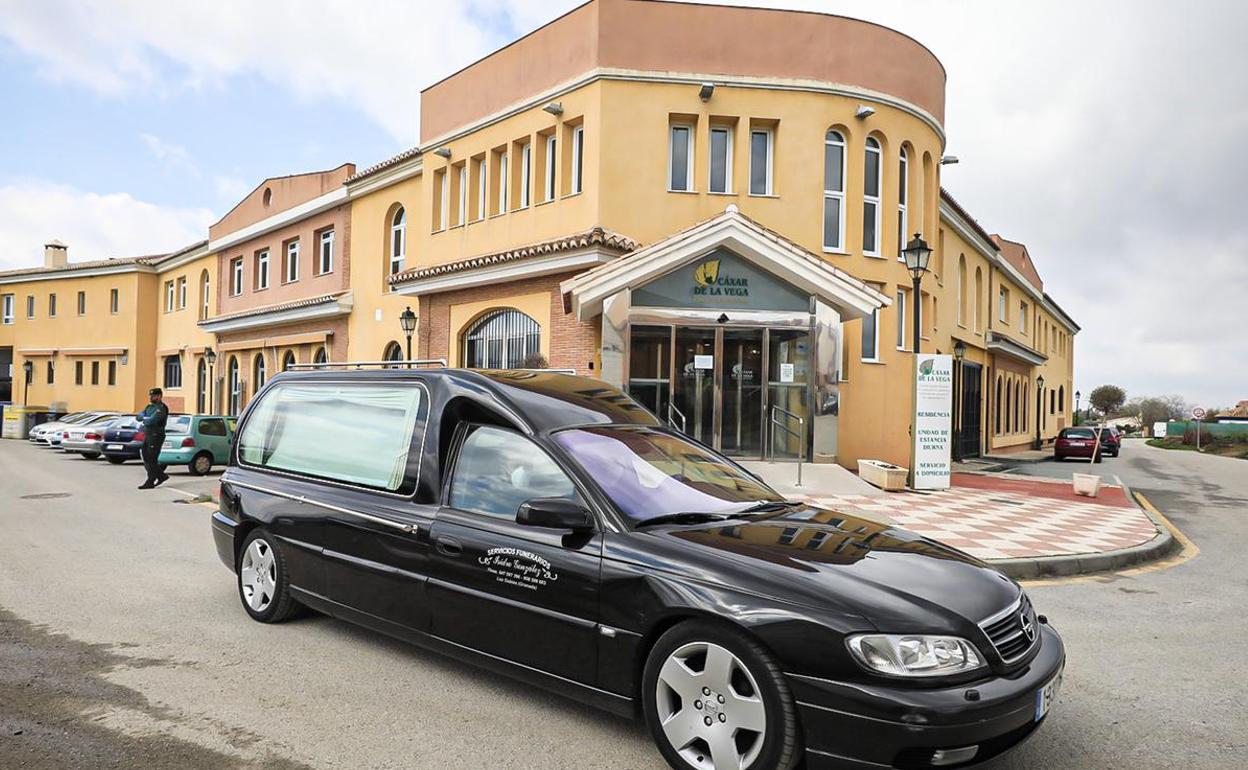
x=153 y=418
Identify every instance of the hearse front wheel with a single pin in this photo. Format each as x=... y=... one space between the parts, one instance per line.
x=262 y=583
x=715 y=699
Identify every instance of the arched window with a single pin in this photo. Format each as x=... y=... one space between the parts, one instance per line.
x=288 y=360
x=201 y=386
x=997 y=408
x=978 y=300
x=258 y=373
x=1026 y=405
x=903 y=179
x=834 y=191
x=398 y=240
x=393 y=352
x=321 y=356
x=871 y=199
x=1052 y=401
x=205 y=295
x=501 y=339
x=962 y=289
x=236 y=386
x=1009 y=405
x=1018 y=406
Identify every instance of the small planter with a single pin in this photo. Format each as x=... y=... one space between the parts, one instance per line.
x=886 y=476
x=1087 y=484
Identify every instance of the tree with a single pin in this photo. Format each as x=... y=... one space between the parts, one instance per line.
x=1107 y=399
x=1155 y=409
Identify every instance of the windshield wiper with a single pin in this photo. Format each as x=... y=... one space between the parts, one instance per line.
x=770 y=506
x=685 y=517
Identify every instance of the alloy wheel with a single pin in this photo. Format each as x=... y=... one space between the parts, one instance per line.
x=258 y=575
x=710 y=708
x=203 y=464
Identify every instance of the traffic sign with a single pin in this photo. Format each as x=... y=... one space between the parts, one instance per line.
x=1198 y=413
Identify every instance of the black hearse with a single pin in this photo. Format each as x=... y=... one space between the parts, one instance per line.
x=548 y=527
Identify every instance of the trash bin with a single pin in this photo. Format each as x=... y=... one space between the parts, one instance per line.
x=19 y=419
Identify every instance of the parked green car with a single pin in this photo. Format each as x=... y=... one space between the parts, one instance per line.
x=197 y=441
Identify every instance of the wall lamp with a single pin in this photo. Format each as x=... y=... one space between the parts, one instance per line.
x=864 y=112
x=443 y=152
x=554 y=108
x=706 y=91
x=948 y=160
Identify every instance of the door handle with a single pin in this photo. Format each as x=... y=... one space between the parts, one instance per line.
x=448 y=546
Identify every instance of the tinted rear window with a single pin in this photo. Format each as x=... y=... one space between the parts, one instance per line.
x=354 y=433
x=1077 y=433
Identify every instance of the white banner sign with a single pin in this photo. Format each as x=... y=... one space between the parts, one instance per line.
x=1159 y=430
x=933 y=421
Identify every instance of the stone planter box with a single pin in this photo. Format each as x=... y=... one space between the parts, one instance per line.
x=886 y=476
x=1087 y=484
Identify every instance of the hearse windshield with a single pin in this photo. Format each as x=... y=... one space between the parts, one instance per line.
x=649 y=473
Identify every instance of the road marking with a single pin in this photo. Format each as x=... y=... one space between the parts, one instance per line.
x=1187 y=552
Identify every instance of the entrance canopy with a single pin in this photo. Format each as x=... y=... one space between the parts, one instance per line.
x=761 y=252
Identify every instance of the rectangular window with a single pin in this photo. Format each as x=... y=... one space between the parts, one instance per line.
x=168 y=296
x=182 y=293
x=481 y=190
x=262 y=270
x=8 y=311
x=834 y=192
x=236 y=276
x=578 y=158
x=871 y=200
x=203 y=311
x=112 y=372
x=901 y=320
x=95 y=372
x=871 y=337
x=114 y=301
x=552 y=159
x=1022 y=317
x=292 y=261
x=77 y=372
x=760 y=162
x=1003 y=305
x=30 y=307
x=462 y=182
x=721 y=159
x=173 y=372
x=358 y=434
x=526 y=173
x=51 y=306
x=442 y=188
x=325 y=260
x=680 y=159
x=82 y=303
x=503 y=181
x=902 y=223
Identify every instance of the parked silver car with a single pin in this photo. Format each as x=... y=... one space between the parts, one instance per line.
x=87 y=438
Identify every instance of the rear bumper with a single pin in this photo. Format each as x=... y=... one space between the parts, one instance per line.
x=128 y=450
x=176 y=456
x=849 y=725
x=223 y=537
x=80 y=446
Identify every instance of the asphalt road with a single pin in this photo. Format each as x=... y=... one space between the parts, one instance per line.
x=122 y=645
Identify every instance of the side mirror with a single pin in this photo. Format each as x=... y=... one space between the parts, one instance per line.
x=555 y=513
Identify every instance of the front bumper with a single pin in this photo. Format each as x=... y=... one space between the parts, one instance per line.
x=850 y=725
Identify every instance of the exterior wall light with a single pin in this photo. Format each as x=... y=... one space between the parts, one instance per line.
x=864 y=112
x=948 y=160
x=407 y=320
x=706 y=91
x=443 y=152
x=1039 y=407
x=554 y=108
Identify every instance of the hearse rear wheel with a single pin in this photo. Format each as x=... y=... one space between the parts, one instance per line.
x=262 y=583
x=715 y=699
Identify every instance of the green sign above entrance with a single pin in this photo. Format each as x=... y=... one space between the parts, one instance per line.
x=721 y=280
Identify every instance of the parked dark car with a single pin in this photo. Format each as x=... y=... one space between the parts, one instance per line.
x=548 y=527
x=122 y=442
x=1111 y=440
x=1077 y=442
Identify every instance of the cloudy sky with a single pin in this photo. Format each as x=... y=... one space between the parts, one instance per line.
x=1108 y=136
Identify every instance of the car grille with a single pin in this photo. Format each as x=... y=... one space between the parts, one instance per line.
x=1014 y=631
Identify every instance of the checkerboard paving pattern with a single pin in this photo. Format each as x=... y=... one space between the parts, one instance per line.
x=993 y=524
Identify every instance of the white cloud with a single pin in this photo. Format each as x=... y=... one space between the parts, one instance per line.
x=95 y=226
x=175 y=156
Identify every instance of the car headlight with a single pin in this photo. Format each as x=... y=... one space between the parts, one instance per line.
x=914 y=655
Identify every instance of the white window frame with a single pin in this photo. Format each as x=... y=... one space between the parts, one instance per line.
x=398 y=257
x=207 y=298
x=482 y=189
x=463 y=195
x=876 y=358
x=769 y=187
x=1022 y=317
x=237 y=272
x=710 y=184
x=901 y=319
x=903 y=189
x=671 y=155
x=872 y=199
x=9 y=311
x=262 y=270
x=168 y=296
x=526 y=175
x=836 y=195
x=578 y=159
x=552 y=163
x=325 y=261
x=290 y=261
x=182 y=293
x=1003 y=304
x=502 y=183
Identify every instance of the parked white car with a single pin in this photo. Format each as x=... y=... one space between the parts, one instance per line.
x=87 y=438
x=40 y=433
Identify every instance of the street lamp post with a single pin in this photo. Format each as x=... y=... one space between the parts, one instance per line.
x=959 y=353
x=210 y=358
x=1039 y=409
x=916 y=255
x=28 y=368
x=407 y=319
x=1076 y=407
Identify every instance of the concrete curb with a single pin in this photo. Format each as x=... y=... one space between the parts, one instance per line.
x=1065 y=565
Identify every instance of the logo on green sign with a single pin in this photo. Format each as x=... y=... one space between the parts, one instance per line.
x=708 y=282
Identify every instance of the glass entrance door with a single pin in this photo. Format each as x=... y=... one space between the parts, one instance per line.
x=788 y=378
x=742 y=379
x=694 y=383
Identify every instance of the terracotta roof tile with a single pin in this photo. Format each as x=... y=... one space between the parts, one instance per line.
x=385 y=164
x=979 y=230
x=1017 y=255
x=93 y=264
x=594 y=237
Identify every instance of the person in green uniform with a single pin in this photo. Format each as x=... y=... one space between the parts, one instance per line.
x=153 y=418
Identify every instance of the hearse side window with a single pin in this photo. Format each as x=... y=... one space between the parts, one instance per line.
x=499 y=469
x=358 y=434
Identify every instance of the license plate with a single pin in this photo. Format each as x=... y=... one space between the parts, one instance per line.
x=1046 y=695
x=1078 y=443
x=167 y=445
x=114 y=447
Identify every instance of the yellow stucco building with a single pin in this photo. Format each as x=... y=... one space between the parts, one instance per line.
x=713 y=222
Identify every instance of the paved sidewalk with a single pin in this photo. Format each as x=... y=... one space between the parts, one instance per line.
x=1010 y=517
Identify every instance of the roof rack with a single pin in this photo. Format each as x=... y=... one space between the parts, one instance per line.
x=418 y=363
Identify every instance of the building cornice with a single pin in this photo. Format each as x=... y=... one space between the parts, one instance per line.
x=325 y=306
x=999 y=343
x=317 y=205
x=183 y=258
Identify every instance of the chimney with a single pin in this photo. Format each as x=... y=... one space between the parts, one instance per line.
x=55 y=254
